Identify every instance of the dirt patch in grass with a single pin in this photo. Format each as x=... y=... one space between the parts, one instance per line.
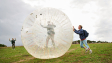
x=22 y=60
x=110 y=61
x=70 y=50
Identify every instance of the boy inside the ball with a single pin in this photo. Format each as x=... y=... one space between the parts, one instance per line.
x=50 y=31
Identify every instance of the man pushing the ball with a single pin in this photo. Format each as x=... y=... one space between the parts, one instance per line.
x=83 y=35
x=50 y=32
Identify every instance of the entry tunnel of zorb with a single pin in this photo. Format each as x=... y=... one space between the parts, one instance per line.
x=47 y=33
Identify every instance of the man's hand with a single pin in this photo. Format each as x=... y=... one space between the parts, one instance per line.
x=73 y=28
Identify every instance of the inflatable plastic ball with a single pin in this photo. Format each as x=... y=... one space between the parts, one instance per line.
x=47 y=33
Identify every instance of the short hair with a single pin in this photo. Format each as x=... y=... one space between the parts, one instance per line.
x=80 y=26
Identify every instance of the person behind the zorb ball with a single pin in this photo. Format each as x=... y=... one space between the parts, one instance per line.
x=83 y=34
x=50 y=31
x=13 y=42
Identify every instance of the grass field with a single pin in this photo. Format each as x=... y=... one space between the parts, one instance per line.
x=102 y=53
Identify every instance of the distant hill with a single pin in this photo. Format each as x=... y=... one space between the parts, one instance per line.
x=2 y=45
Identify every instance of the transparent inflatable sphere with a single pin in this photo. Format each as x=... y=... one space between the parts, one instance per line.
x=47 y=33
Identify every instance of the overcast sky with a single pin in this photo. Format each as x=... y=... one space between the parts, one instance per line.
x=94 y=15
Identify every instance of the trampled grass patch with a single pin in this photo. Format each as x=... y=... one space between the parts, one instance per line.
x=102 y=53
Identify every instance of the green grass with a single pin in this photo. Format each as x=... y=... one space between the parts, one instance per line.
x=102 y=53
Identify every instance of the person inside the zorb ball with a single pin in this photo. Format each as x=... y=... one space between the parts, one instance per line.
x=50 y=31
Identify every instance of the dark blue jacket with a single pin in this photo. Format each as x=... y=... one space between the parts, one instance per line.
x=81 y=33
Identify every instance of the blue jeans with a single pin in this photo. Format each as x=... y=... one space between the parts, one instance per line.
x=84 y=42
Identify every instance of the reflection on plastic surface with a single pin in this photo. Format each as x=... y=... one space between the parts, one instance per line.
x=47 y=33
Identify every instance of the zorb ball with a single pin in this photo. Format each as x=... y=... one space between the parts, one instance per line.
x=47 y=33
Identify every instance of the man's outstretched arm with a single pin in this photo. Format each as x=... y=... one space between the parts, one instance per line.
x=78 y=32
x=10 y=40
x=15 y=39
x=46 y=26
